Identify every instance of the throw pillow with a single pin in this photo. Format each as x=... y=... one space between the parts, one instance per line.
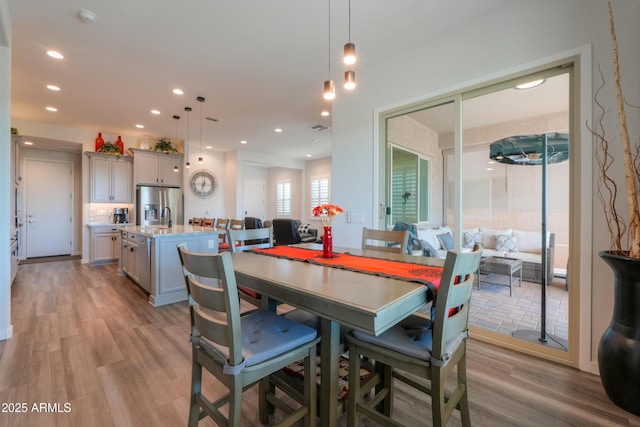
x=304 y=228
x=446 y=240
x=428 y=250
x=506 y=242
x=471 y=238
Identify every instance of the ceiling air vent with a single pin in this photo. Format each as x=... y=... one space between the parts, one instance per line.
x=320 y=128
x=212 y=119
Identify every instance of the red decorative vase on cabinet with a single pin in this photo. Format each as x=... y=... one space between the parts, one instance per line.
x=99 y=141
x=327 y=243
x=120 y=144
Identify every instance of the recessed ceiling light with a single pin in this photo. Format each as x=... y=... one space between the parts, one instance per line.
x=155 y=112
x=51 y=109
x=178 y=91
x=489 y=169
x=140 y=126
x=530 y=85
x=324 y=113
x=28 y=143
x=308 y=155
x=243 y=142
x=278 y=130
x=87 y=16
x=55 y=54
x=491 y=162
x=53 y=87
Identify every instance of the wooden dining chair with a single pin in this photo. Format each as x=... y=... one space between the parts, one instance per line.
x=240 y=350
x=426 y=348
x=207 y=222
x=196 y=221
x=243 y=240
x=385 y=240
x=236 y=224
x=222 y=224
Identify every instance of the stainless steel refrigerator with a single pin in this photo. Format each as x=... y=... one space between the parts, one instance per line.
x=152 y=204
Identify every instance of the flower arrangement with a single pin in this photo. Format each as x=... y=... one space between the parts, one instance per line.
x=109 y=147
x=625 y=236
x=165 y=146
x=326 y=212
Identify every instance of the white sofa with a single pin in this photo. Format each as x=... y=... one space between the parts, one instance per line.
x=526 y=246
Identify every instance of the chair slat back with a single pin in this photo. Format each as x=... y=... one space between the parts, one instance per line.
x=196 y=221
x=207 y=222
x=236 y=224
x=385 y=240
x=452 y=301
x=215 y=312
x=242 y=237
x=222 y=224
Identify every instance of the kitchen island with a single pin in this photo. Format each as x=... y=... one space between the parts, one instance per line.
x=149 y=257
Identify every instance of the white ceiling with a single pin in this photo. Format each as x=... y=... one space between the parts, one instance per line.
x=259 y=64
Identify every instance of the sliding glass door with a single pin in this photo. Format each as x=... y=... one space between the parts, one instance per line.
x=496 y=171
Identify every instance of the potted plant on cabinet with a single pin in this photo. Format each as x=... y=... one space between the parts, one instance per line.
x=619 y=348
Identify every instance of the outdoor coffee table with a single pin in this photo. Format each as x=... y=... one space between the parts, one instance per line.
x=503 y=266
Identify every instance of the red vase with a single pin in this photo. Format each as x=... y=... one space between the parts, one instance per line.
x=120 y=144
x=99 y=141
x=327 y=243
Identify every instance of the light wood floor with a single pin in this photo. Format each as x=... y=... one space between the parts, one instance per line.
x=87 y=338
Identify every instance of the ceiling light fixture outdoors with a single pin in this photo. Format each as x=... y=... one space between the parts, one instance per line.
x=87 y=16
x=186 y=143
x=200 y=100
x=55 y=54
x=329 y=87
x=176 y=118
x=53 y=87
x=531 y=85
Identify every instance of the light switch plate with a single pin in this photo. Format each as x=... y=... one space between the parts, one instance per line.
x=355 y=217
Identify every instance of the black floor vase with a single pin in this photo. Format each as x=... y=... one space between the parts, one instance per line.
x=619 y=349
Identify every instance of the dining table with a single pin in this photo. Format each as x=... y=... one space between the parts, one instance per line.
x=361 y=300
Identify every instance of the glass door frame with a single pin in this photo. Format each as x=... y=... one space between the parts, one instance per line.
x=580 y=184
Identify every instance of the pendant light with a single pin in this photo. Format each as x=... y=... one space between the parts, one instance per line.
x=349 y=48
x=200 y=100
x=186 y=143
x=329 y=87
x=349 y=59
x=176 y=118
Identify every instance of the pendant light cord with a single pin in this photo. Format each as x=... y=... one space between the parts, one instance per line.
x=329 y=40
x=349 y=21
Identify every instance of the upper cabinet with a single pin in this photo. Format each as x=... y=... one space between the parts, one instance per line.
x=110 y=178
x=156 y=168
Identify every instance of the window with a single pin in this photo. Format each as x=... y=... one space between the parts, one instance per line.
x=283 y=198
x=319 y=191
x=409 y=187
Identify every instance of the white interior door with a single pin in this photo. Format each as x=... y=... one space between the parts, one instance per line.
x=48 y=199
x=253 y=197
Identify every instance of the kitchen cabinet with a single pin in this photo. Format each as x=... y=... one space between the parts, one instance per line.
x=110 y=178
x=129 y=255
x=105 y=245
x=150 y=258
x=156 y=168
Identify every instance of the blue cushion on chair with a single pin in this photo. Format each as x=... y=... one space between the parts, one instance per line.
x=413 y=337
x=266 y=335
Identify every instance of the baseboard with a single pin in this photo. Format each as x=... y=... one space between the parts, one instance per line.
x=6 y=334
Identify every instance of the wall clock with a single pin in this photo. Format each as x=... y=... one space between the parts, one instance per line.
x=203 y=183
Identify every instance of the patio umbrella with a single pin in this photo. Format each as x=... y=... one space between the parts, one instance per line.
x=532 y=150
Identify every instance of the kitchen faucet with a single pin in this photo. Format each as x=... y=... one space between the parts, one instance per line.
x=170 y=222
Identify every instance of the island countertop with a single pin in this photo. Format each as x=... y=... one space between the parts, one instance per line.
x=160 y=231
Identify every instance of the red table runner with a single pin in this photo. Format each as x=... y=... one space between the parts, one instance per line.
x=425 y=274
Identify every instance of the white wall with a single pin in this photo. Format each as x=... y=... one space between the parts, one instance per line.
x=6 y=329
x=505 y=41
x=314 y=168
